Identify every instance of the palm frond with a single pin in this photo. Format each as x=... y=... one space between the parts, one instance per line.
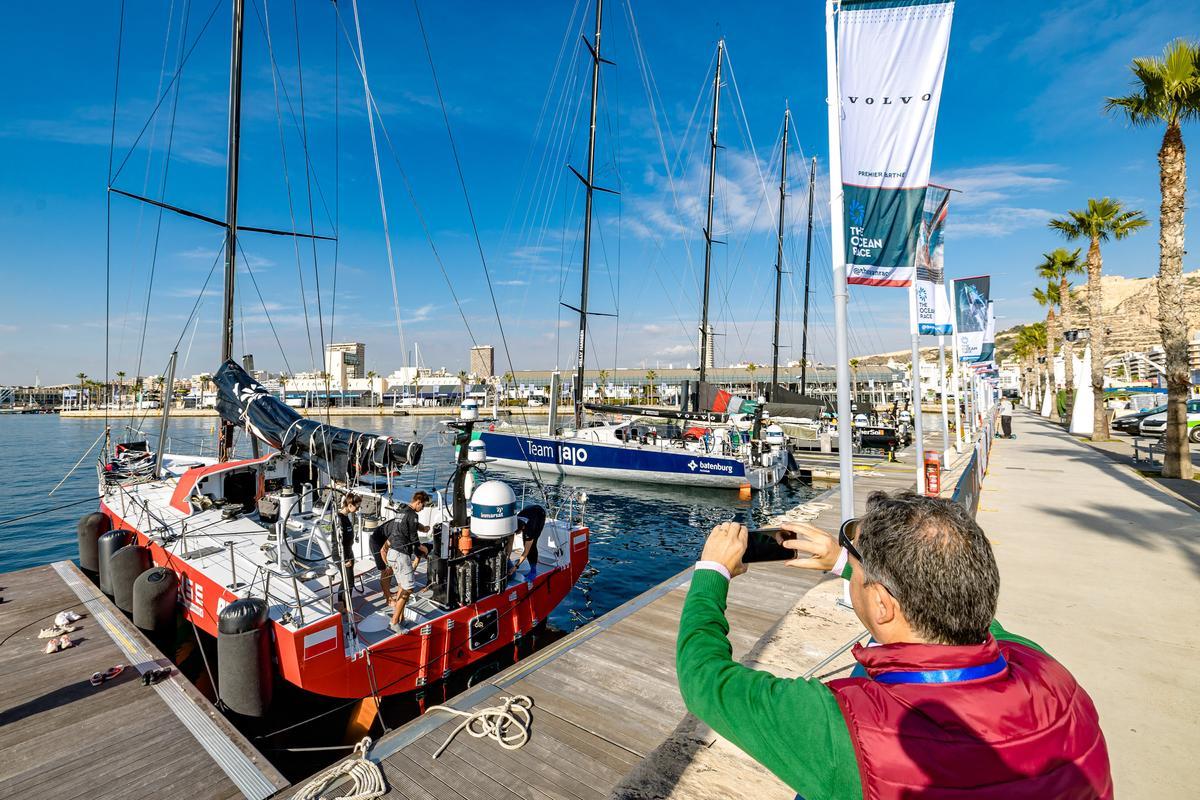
x=1167 y=88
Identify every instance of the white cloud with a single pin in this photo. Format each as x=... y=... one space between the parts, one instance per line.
x=990 y=183
x=1000 y=221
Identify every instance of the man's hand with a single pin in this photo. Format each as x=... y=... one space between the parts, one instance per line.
x=726 y=545
x=821 y=549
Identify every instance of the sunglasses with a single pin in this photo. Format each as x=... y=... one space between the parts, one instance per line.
x=846 y=533
x=848 y=530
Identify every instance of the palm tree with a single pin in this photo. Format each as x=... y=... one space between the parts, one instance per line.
x=752 y=368
x=462 y=382
x=854 y=379
x=1049 y=298
x=82 y=376
x=1058 y=267
x=506 y=379
x=1167 y=90
x=371 y=376
x=120 y=387
x=283 y=380
x=651 y=377
x=1101 y=220
x=602 y=377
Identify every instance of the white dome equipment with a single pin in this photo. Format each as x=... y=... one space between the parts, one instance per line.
x=774 y=435
x=493 y=510
x=476 y=452
x=469 y=410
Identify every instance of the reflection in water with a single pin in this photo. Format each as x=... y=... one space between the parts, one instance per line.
x=641 y=535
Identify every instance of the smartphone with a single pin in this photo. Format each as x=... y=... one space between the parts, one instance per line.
x=763 y=545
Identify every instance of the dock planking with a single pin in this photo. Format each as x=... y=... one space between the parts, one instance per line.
x=605 y=696
x=61 y=735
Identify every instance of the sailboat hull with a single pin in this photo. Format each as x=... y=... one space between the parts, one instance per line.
x=649 y=463
x=314 y=657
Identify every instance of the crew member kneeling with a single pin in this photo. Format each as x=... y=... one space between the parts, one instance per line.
x=944 y=703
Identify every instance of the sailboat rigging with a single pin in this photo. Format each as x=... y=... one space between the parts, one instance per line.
x=649 y=445
x=258 y=547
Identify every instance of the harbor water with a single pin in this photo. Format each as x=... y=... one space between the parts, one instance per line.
x=641 y=534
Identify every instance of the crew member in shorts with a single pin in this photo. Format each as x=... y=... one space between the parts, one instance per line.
x=401 y=551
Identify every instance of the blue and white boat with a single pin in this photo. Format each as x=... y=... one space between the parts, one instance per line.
x=648 y=447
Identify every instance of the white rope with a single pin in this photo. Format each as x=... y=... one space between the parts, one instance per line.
x=506 y=725
x=366 y=779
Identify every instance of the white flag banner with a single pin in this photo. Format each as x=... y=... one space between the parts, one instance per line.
x=971 y=303
x=891 y=60
x=989 y=335
x=933 y=305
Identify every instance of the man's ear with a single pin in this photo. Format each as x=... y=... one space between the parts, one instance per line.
x=884 y=609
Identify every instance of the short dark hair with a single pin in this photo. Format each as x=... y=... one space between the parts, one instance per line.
x=352 y=499
x=421 y=496
x=935 y=560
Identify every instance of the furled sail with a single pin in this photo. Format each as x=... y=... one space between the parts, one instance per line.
x=345 y=453
x=783 y=402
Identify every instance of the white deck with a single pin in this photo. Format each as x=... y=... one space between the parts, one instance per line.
x=237 y=554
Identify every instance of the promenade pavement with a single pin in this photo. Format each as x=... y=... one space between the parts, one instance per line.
x=1102 y=568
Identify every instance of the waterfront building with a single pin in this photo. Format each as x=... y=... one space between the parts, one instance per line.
x=483 y=361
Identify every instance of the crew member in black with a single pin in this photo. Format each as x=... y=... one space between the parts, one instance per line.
x=350 y=505
x=531 y=520
x=402 y=550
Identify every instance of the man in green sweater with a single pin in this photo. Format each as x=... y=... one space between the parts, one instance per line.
x=945 y=702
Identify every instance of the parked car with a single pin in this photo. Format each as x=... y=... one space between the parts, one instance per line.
x=1131 y=423
x=1156 y=424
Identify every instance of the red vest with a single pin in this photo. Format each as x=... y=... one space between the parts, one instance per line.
x=996 y=720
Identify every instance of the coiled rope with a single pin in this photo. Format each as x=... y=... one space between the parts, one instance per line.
x=366 y=779
x=506 y=725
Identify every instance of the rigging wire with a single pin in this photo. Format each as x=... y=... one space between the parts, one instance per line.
x=264 y=22
x=266 y=313
x=387 y=236
x=137 y=237
x=187 y=9
x=312 y=229
x=337 y=174
x=112 y=140
x=470 y=212
x=200 y=295
x=137 y=139
x=568 y=37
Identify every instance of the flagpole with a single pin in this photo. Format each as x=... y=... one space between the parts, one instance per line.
x=838 y=246
x=958 y=391
x=942 y=387
x=919 y=440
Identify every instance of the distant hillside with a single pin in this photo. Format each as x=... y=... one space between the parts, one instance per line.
x=1130 y=307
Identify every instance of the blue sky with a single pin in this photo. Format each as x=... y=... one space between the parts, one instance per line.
x=1021 y=132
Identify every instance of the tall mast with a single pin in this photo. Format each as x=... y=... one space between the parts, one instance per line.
x=712 y=191
x=225 y=436
x=787 y=118
x=589 y=185
x=812 y=184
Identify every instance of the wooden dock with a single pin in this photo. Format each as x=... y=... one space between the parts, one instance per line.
x=605 y=696
x=65 y=738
